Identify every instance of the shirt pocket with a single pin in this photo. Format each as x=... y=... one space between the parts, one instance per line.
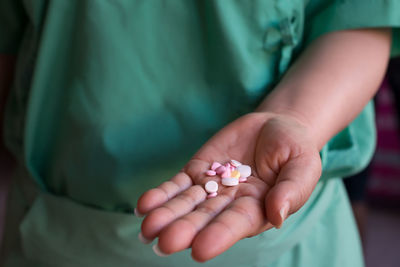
x=285 y=36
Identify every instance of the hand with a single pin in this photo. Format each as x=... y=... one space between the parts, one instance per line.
x=285 y=169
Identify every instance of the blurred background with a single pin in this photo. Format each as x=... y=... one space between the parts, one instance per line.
x=375 y=192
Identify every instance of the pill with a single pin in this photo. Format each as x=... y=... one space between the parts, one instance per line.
x=245 y=170
x=211 y=173
x=215 y=165
x=220 y=170
x=211 y=187
x=242 y=180
x=226 y=173
x=235 y=163
x=235 y=174
x=212 y=195
x=230 y=181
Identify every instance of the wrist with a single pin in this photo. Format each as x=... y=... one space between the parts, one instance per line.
x=298 y=118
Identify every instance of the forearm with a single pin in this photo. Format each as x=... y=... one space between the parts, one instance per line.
x=332 y=81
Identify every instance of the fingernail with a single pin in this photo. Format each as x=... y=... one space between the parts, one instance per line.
x=143 y=239
x=158 y=252
x=283 y=212
x=137 y=213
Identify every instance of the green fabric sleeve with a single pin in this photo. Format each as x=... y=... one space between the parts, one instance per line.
x=352 y=149
x=12 y=22
x=327 y=16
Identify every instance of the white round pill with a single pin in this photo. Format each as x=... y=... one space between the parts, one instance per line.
x=245 y=171
x=230 y=181
x=211 y=187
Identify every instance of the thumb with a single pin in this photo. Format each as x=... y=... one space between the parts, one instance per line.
x=295 y=182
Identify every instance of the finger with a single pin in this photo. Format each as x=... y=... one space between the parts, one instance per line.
x=172 y=210
x=294 y=185
x=155 y=197
x=180 y=234
x=193 y=173
x=196 y=169
x=242 y=219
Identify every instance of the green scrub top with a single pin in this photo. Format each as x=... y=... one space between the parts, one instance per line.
x=111 y=98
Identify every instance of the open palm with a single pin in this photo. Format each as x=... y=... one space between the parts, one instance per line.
x=285 y=168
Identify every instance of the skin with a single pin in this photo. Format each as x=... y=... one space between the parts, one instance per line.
x=321 y=93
